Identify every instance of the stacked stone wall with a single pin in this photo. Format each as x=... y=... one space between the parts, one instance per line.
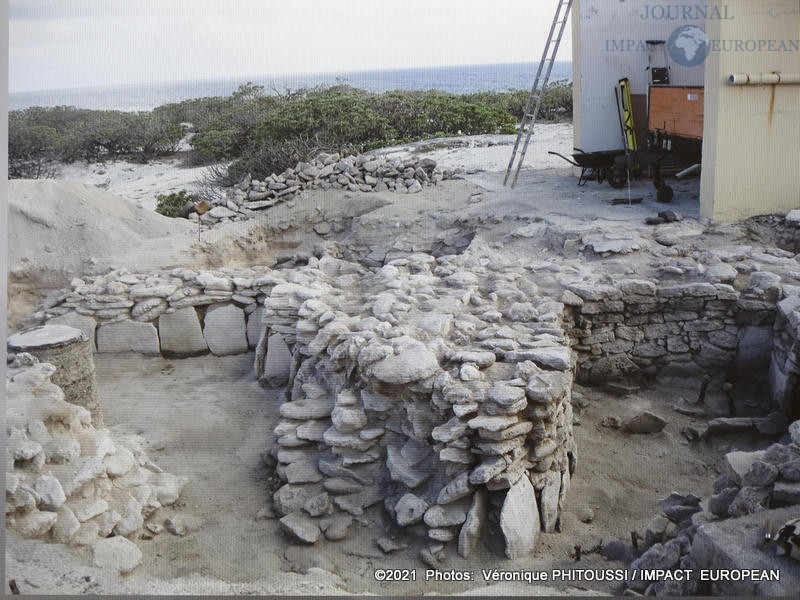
x=407 y=390
x=784 y=371
x=362 y=173
x=694 y=329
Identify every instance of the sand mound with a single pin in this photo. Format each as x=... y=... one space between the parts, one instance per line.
x=70 y=222
x=58 y=230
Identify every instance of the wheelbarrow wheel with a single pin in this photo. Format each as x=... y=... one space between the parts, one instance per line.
x=617 y=178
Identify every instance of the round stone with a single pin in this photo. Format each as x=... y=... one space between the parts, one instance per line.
x=44 y=336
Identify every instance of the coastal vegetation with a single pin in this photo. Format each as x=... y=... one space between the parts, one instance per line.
x=252 y=131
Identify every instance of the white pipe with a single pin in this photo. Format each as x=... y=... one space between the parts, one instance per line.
x=764 y=78
x=688 y=171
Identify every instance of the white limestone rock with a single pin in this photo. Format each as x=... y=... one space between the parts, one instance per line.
x=86 y=324
x=277 y=363
x=519 y=519
x=470 y=533
x=549 y=502
x=116 y=553
x=301 y=527
x=36 y=523
x=225 y=330
x=66 y=526
x=50 y=492
x=128 y=336
x=410 y=509
x=412 y=364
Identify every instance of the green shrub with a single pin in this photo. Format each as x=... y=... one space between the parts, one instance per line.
x=261 y=134
x=170 y=205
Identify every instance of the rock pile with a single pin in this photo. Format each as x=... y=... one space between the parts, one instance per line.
x=689 y=534
x=437 y=387
x=754 y=481
x=361 y=173
x=71 y=483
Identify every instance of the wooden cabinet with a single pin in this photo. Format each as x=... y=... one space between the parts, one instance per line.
x=676 y=111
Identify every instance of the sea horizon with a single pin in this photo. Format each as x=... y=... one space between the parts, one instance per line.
x=458 y=79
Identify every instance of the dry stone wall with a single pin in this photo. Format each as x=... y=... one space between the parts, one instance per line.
x=785 y=366
x=175 y=313
x=439 y=388
x=69 y=482
x=692 y=329
x=362 y=173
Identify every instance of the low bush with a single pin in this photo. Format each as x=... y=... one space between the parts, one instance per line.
x=170 y=205
x=260 y=134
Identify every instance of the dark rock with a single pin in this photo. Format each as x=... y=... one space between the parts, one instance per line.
x=749 y=500
x=679 y=507
x=660 y=556
x=723 y=482
x=675 y=588
x=669 y=216
x=787 y=492
x=761 y=474
x=778 y=454
x=643 y=423
x=719 y=503
x=618 y=550
x=790 y=470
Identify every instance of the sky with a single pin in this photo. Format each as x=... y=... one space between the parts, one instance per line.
x=57 y=44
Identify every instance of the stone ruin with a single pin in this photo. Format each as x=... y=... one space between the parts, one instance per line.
x=354 y=173
x=398 y=397
x=440 y=388
x=67 y=479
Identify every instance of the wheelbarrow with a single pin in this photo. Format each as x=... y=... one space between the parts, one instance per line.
x=600 y=165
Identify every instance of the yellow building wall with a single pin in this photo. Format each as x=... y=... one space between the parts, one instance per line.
x=751 y=135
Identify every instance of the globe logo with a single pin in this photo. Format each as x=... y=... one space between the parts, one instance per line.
x=688 y=46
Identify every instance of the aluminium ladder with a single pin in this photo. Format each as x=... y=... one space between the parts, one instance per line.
x=537 y=91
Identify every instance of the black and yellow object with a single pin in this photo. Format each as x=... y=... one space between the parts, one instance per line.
x=628 y=130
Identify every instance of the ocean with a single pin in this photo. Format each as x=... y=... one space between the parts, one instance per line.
x=142 y=97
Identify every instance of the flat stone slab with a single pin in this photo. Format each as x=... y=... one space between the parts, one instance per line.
x=116 y=553
x=225 y=330
x=519 y=519
x=410 y=365
x=86 y=324
x=44 y=336
x=181 y=334
x=128 y=336
x=254 y=325
x=278 y=362
x=301 y=527
x=735 y=544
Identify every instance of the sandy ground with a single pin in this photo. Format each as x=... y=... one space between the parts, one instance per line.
x=139 y=183
x=206 y=418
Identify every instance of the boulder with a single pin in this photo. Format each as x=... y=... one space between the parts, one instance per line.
x=277 y=363
x=117 y=553
x=476 y=518
x=411 y=364
x=181 y=334
x=410 y=509
x=225 y=330
x=643 y=423
x=128 y=336
x=300 y=527
x=519 y=519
